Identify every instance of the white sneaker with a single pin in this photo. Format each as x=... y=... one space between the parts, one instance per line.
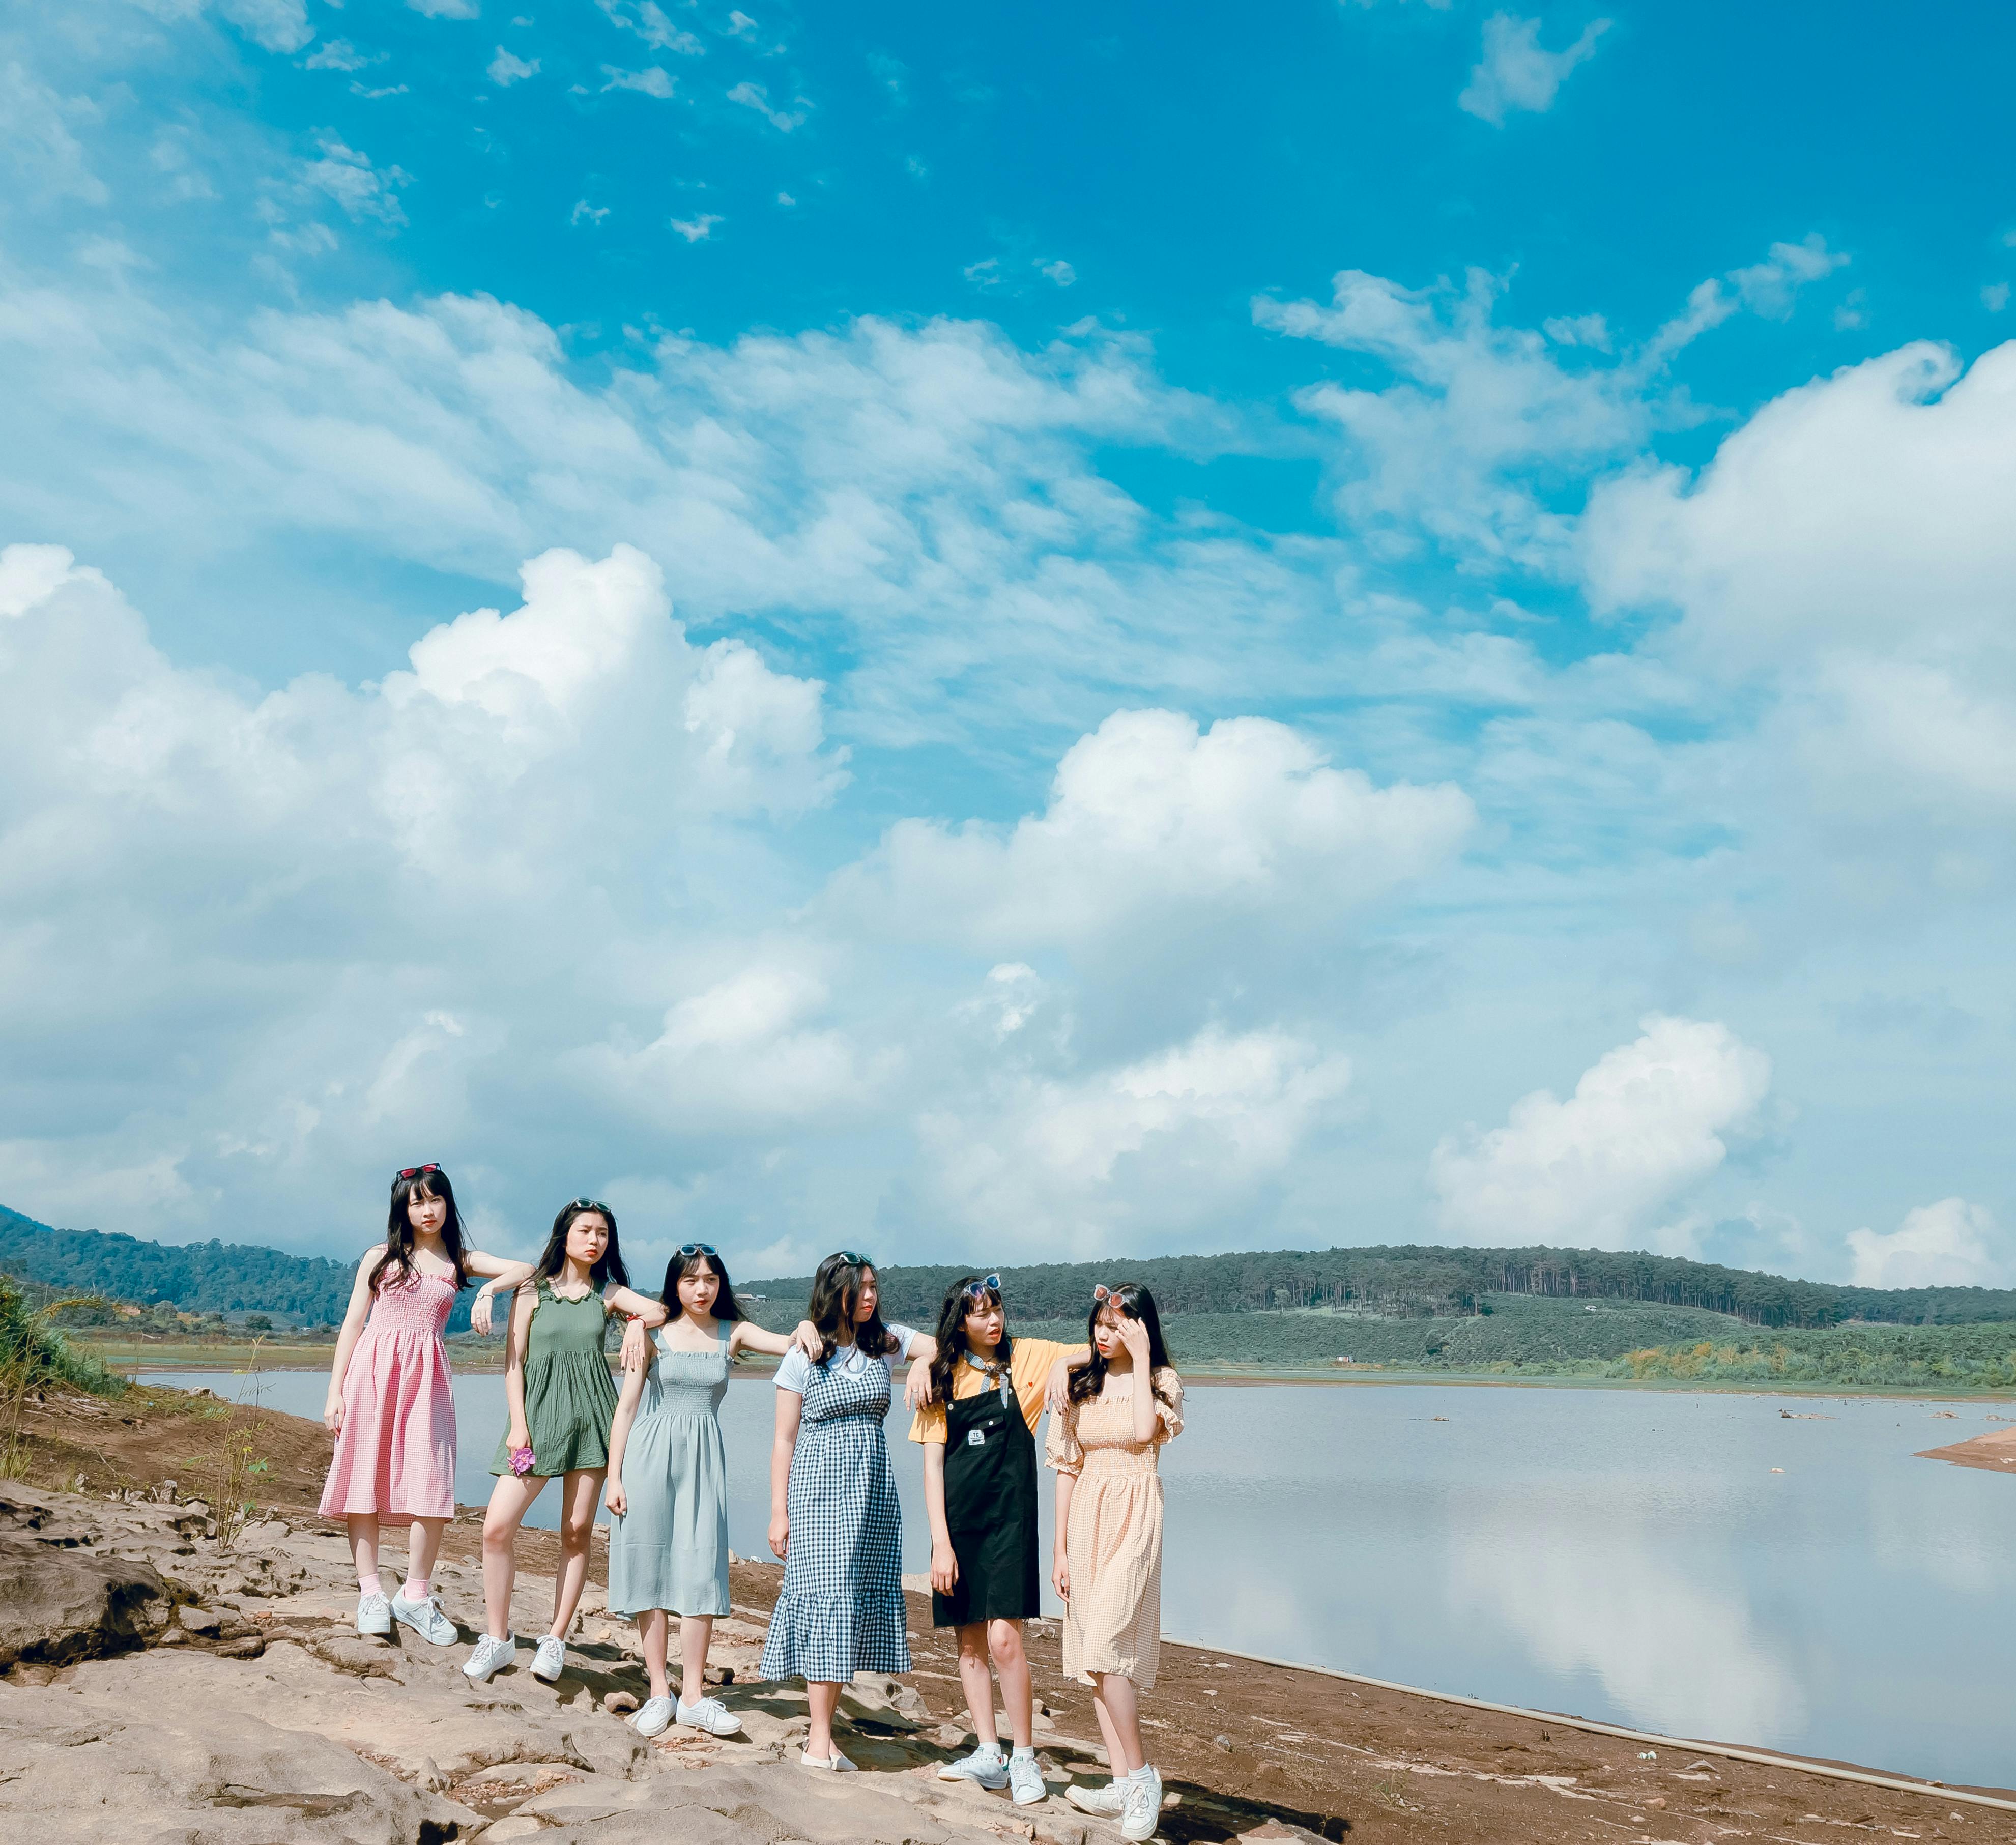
x=654 y=1719
x=1025 y=1779
x=835 y=1763
x=374 y=1615
x=548 y=1658
x=425 y=1618
x=1105 y=1801
x=490 y=1657
x=984 y=1766
x=711 y=1715
x=1142 y=1810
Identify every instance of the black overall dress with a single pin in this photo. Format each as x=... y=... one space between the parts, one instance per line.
x=990 y=1495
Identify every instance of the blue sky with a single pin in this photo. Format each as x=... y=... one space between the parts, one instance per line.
x=1159 y=628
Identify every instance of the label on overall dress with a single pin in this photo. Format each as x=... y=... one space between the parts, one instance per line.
x=976 y=1438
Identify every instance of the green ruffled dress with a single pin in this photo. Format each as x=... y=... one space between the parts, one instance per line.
x=569 y=1396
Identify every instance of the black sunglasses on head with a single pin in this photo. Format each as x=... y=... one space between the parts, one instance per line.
x=857 y=1261
x=591 y=1204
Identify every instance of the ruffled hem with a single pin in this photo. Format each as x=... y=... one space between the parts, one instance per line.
x=829 y=1641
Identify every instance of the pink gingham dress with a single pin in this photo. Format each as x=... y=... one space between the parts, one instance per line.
x=395 y=1452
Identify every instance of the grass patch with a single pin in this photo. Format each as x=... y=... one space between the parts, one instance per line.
x=35 y=1358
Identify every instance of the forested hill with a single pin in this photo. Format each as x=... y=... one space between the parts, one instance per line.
x=1416 y=1280
x=197 y=1276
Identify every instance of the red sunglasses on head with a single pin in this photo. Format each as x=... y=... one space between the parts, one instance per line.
x=415 y=1171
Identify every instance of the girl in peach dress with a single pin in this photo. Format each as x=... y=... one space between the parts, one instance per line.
x=1107 y=1566
x=391 y=1405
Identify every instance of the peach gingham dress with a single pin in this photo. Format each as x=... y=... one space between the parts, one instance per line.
x=1113 y=1622
x=395 y=1453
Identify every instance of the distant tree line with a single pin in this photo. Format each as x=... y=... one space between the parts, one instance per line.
x=198 y=1277
x=1424 y=1281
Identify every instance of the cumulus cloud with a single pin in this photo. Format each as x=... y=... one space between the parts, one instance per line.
x=1516 y=74
x=648 y=82
x=276 y=25
x=363 y=190
x=754 y=95
x=1156 y=831
x=648 y=22
x=1642 y=1131
x=1483 y=424
x=1153 y=1154
x=505 y=70
x=1951 y=1244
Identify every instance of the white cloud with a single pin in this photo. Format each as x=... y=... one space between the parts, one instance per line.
x=36 y=137
x=697 y=230
x=275 y=25
x=1483 y=424
x=650 y=82
x=1642 y=1131
x=1516 y=74
x=362 y=190
x=339 y=54
x=1154 y=1154
x=447 y=9
x=1060 y=272
x=754 y=95
x=505 y=70
x=585 y=214
x=1156 y=832
x=1994 y=296
x=648 y=22
x=1951 y=1244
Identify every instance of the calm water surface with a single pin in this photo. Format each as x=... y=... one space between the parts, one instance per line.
x=1631 y=1556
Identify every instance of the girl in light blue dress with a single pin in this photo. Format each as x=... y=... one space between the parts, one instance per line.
x=668 y=1488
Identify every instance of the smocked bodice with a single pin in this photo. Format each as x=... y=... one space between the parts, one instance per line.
x=687 y=1384
x=417 y=1303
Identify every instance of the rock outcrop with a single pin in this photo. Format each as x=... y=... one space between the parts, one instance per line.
x=166 y=1689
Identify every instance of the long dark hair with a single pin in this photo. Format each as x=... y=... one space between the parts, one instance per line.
x=725 y=1307
x=835 y=1289
x=966 y=1292
x=397 y=1263
x=1137 y=1303
x=609 y=1268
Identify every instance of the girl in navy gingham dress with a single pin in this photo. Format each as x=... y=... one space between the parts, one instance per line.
x=834 y=1518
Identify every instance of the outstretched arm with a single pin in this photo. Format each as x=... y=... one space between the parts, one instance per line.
x=619 y=1433
x=1056 y=1392
x=505 y=1275
x=750 y=1337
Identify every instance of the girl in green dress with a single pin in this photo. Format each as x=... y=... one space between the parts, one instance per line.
x=562 y=1400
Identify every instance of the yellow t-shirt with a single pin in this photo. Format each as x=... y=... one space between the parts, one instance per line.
x=1029 y=1362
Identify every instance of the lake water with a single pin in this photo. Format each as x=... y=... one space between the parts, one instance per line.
x=1632 y=1556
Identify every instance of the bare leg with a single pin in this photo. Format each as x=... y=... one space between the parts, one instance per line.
x=423 y=1543
x=977 y=1682
x=696 y=1635
x=579 y=1493
x=823 y=1699
x=651 y=1626
x=1004 y=1642
x=510 y=1499
x=1120 y=1717
x=1114 y=1753
x=364 y=1543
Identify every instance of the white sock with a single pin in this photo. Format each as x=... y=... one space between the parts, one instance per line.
x=992 y=1749
x=1025 y=1755
x=1143 y=1773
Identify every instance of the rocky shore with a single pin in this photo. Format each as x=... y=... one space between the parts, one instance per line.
x=162 y=1681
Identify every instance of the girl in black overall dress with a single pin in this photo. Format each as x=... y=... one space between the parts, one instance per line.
x=980 y=1488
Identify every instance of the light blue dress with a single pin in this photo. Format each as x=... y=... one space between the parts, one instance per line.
x=670 y=1549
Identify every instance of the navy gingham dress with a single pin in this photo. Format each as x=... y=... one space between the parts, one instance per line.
x=840 y=1610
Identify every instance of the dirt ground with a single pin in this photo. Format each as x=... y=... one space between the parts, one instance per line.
x=1255 y=1751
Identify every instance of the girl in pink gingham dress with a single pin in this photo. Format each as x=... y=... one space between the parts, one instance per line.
x=391 y=1399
